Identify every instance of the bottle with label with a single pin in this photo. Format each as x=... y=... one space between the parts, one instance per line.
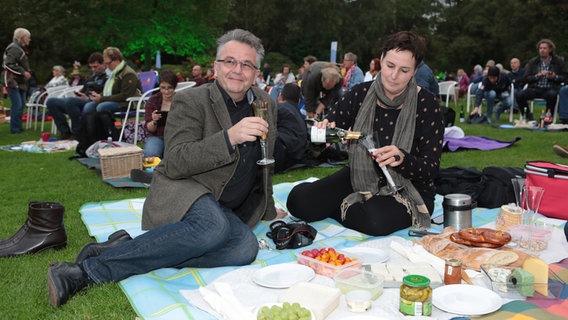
x=541 y=120
x=329 y=135
x=462 y=116
x=415 y=296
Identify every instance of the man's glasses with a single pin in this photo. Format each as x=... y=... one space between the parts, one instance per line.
x=232 y=63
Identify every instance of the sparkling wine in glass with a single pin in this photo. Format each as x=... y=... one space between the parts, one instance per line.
x=262 y=113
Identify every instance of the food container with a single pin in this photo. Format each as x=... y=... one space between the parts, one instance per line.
x=358 y=279
x=415 y=296
x=457 y=210
x=329 y=270
x=500 y=280
x=532 y=238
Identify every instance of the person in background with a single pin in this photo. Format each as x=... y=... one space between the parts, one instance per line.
x=74 y=106
x=516 y=76
x=321 y=87
x=563 y=104
x=374 y=68
x=292 y=140
x=76 y=78
x=495 y=85
x=122 y=83
x=197 y=74
x=463 y=82
x=58 y=79
x=353 y=74
x=284 y=77
x=15 y=75
x=426 y=79
x=210 y=75
x=409 y=128
x=157 y=107
x=207 y=193
x=544 y=74
x=267 y=73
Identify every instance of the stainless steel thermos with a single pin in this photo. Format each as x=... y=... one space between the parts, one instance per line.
x=457 y=210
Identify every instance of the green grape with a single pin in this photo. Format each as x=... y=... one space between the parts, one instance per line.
x=286 y=312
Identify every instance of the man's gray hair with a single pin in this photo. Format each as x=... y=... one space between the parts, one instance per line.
x=352 y=57
x=21 y=32
x=241 y=36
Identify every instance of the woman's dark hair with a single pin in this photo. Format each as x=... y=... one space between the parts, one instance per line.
x=170 y=77
x=377 y=64
x=406 y=41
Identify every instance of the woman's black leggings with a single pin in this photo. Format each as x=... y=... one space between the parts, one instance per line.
x=380 y=215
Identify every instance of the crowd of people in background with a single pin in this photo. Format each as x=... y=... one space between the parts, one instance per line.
x=320 y=84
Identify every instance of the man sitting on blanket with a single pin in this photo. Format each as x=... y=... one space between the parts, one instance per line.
x=207 y=193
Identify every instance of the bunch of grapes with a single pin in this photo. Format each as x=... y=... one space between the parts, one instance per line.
x=287 y=312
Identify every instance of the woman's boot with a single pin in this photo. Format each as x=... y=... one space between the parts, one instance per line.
x=43 y=230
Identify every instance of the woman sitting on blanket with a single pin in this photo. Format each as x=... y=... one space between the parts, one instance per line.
x=410 y=131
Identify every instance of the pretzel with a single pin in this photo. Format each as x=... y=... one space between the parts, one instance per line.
x=455 y=237
x=485 y=235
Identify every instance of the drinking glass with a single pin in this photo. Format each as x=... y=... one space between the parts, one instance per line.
x=518 y=187
x=262 y=113
x=533 y=196
x=371 y=143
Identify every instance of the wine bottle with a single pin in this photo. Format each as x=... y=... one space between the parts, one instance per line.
x=462 y=116
x=317 y=135
x=541 y=121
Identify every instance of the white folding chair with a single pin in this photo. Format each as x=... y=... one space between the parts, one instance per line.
x=448 y=88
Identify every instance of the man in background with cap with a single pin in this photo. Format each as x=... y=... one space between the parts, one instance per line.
x=494 y=86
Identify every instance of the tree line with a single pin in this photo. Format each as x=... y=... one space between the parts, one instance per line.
x=459 y=33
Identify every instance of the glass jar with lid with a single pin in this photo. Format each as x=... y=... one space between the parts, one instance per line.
x=416 y=296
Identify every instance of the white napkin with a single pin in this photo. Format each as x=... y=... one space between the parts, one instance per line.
x=225 y=303
x=416 y=253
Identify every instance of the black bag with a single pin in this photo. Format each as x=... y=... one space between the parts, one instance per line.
x=95 y=126
x=449 y=116
x=477 y=119
x=291 y=235
x=455 y=179
x=498 y=186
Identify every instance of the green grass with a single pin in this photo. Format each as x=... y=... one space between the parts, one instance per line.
x=52 y=177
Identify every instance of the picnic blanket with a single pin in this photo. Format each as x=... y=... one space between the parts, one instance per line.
x=476 y=142
x=42 y=146
x=156 y=295
x=126 y=182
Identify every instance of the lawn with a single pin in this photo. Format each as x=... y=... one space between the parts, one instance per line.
x=53 y=177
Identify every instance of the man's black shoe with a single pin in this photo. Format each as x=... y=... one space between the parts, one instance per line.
x=93 y=249
x=138 y=175
x=64 y=279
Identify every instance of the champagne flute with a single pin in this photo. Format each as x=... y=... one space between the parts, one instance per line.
x=371 y=143
x=262 y=113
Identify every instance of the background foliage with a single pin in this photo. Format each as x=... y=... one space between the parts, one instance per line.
x=460 y=33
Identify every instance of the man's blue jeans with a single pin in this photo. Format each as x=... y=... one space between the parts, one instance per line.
x=154 y=147
x=72 y=106
x=563 y=103
x=17 y=101
x=209 y=235
x=111 y=106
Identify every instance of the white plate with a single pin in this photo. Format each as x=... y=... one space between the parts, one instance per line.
x=280 y=276
x=370 y=255
x=465 y=299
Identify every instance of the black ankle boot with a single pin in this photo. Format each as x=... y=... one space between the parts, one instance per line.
x=93 y=249
x=65 y=279
x=43 y=230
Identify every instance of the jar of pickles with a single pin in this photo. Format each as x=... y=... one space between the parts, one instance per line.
x=416 y=296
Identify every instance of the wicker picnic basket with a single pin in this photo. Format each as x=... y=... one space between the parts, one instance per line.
x=117 y=162
x=3 y=113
